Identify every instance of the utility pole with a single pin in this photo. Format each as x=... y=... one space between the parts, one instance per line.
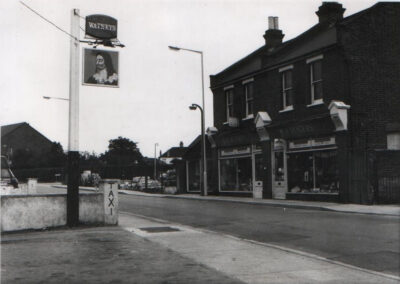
x=73 y=128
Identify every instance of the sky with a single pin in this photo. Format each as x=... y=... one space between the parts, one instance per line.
x=156 y=84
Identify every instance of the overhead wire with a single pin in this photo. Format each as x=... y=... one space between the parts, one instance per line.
x=50 y=22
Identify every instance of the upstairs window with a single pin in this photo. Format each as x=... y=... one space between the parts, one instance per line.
x=287 y=87
x=393 y=141
x=229 y=103
x=249 y=97
x=316 y=79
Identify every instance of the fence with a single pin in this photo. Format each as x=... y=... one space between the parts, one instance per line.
x=387 y=178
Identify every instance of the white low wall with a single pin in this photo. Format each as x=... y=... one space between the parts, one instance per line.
x=23 y=212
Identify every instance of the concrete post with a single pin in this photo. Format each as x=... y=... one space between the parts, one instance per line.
x=73 y=132
x=109 y=187
x=32 y=185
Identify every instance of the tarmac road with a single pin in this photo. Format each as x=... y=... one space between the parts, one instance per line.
x=366 y=241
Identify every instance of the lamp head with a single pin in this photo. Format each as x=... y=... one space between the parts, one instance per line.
x=174 y=48
x=192 y=107
x=46 y=98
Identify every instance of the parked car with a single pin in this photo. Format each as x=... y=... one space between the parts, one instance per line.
x=139 y=183
x=7 y=176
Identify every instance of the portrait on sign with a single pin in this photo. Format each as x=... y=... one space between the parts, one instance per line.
x=100 y=67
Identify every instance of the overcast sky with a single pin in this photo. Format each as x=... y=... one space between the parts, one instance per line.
x=156 y=84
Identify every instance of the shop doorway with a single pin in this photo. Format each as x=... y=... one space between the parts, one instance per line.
x=279 y=172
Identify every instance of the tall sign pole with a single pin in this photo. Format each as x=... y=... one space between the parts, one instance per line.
x=73 y=131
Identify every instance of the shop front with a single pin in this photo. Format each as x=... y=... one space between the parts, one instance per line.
x=239 y=169
x=313 y=166
x=305 y=169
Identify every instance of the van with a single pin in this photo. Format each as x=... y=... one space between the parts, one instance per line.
x=7 y=176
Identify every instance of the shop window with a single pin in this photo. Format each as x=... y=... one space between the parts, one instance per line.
x=229 y=103
x=393 y=141
x=287 y=89
x=249 y=97
x=316 y=79
x=236 y=174
x=313 y=172
x=194 y=175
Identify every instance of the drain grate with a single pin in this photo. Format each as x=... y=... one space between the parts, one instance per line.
x=159 y=229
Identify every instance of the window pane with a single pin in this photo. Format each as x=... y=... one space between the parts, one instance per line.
x=317 y=90
x=288 y=79
x=230 y=111
x=249 y=107
x=393 y=141
x=228 y=175
x=317 y=71
x=326 y=171
x=300 y=172
x=244 y=174
x=289 y=97
x=249 y=90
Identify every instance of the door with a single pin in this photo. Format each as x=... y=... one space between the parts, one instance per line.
x=279 y=173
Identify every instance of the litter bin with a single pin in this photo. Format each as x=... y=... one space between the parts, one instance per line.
x=258 y=189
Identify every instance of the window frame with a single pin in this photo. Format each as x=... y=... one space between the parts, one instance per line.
x=248 y=100
x=228 y=104
x=284 y=89
x=311 y=61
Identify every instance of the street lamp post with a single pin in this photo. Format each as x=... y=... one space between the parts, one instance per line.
x=203 y=142
x=203 y=113
x=155 y=161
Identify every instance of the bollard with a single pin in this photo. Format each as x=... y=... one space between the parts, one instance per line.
x=109 y=187
x=32 y=185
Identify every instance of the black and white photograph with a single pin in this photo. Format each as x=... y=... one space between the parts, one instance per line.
x=200 y=141
x=100 y=67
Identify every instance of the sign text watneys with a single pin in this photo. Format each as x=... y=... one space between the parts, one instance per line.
x=101 y=26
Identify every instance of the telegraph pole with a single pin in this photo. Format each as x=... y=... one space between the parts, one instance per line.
x=73 y=129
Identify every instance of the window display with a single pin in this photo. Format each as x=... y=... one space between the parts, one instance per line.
x=236 y=174
x=313 y=172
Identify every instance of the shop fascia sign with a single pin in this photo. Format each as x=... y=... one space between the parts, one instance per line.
x=101 y=27
x=328 y=141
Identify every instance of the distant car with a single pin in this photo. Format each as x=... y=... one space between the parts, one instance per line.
x=7 y=176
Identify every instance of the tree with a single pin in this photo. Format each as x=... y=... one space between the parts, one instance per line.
x=122 y=152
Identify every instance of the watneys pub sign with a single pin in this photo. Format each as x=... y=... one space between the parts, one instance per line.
x=101 y=26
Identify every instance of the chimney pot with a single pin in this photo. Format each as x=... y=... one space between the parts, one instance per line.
x=273 y=36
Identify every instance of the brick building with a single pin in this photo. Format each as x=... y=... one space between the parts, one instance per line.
x=315 y=117
x=23 y=137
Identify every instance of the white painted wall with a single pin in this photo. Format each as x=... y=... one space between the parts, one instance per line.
x=23 y=212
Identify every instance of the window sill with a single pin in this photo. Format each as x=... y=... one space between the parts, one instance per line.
x=316 y=103
x=289 y=108
x=251 y=116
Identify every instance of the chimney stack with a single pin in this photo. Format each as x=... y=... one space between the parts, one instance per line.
x=330 y=12
x=273 y=36
x=181 y=144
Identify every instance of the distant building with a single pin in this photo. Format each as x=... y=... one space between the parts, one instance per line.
x=315 y=117
x=174 y=153
x=21 y=137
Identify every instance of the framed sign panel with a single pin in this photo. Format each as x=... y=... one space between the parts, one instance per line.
x=100 y=68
